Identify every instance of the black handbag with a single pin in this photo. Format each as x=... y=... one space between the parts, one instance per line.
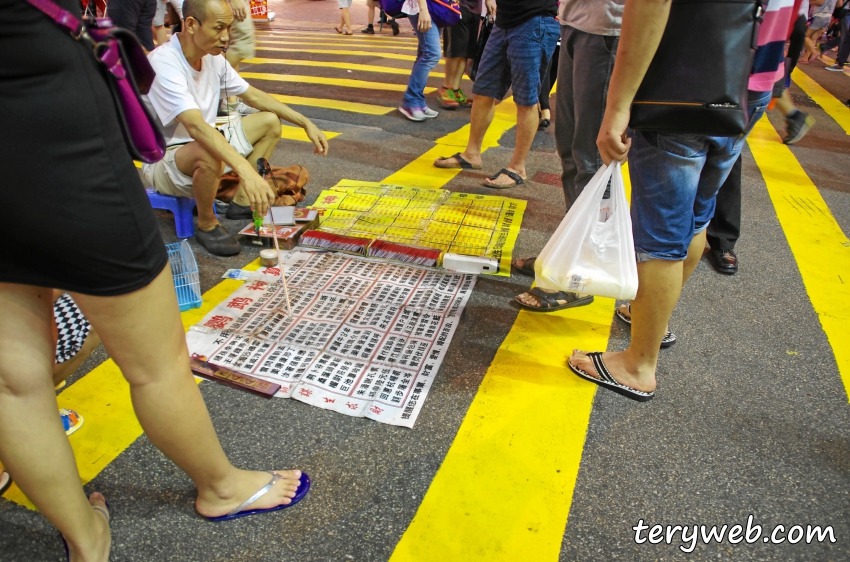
x=483 y=35
x=697 y=80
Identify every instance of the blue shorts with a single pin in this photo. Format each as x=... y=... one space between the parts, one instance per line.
x=517 y=57
x=675 y=179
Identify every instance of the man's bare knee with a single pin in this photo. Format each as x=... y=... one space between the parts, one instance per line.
x=271 y=125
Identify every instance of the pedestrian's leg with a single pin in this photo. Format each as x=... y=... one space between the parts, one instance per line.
x=346 y=20
x=844 y=49
x=428 y=55
x=142 y=332
x=725 y=228
x=483 y=111
x=526 y=127
x=33 y=445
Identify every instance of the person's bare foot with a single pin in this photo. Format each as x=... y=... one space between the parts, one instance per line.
x=620 y=368
x=453 y=162
x=97 y=546
x=246 y=483
x=504 y=180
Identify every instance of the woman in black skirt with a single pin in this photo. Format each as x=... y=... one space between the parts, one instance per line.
x=77 y=219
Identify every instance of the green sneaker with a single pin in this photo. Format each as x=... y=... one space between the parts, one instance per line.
x=447 y=98
x=461 y=98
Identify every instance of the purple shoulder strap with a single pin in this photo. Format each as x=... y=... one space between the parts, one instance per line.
x=58 y=14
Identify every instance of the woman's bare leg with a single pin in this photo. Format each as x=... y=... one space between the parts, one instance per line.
x=142 y=332
x=33 y=445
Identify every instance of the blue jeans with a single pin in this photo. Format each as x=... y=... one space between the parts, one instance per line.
x=675 y=179
x=427 y=57
x=517 y=57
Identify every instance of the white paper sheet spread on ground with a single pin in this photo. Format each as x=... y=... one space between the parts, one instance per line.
x=366 y=337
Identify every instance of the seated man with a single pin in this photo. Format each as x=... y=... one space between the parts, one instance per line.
x=192 y=77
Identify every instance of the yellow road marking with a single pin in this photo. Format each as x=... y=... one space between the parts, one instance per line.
x=375 y=39
x=102 y=397
x=423 y=174
x=338 y=44
x=351 y=106
x=297 y=134
x=820 y=248
x=342 y=53
x=834 y=108
x=340 y=82
x=504 y=489
x=338 y=65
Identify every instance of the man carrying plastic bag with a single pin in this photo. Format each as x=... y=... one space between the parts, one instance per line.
x=675 y=179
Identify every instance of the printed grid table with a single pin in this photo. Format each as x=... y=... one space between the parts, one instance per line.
x=365 y=338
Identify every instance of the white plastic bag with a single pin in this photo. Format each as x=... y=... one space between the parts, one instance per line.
x=593 y=251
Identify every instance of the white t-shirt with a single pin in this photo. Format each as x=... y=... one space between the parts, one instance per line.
x=178 y=87
x=410 y=7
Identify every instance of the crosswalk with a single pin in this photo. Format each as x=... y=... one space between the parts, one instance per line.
x=340 y=79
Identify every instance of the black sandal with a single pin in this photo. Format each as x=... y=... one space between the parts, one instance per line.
x=527 y=266
x=669 y=338
x=605 y=380
x=464 y=164
x=550 y=300
x=513 y=175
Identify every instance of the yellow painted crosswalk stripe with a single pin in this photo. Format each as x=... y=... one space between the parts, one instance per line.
x=361 y=46
x=821 y=249
x=338 y=65
x=423 y=174
x=837 y=110
x=376 y=39
x=350 y=106
x=102 y=397
x=339 y=82
x=341 y=53
x=505 y=487
x=297 y=134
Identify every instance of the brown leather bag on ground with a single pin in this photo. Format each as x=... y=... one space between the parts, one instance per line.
x=290 y=181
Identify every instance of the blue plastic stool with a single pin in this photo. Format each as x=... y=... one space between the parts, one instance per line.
x=180 y=207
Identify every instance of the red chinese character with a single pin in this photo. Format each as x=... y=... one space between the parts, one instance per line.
x=218 y=322
x=284 y=389
x=305 y=392
x=257 y=286
x=240 y=303
x=352 y=406
x=376 y=410
x=331 y=199
x=329 y=400
x=272 y=271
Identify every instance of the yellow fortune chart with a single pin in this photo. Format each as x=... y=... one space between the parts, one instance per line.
x=460 y=223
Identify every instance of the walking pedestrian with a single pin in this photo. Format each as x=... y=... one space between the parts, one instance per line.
x=413 y=104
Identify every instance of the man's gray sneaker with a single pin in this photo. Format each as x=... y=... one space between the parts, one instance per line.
x=218 y=241
x=796 y=127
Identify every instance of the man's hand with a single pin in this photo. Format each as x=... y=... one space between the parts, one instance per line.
x=612 y=142
x=258 y=192
x=491 y=7
x=424 y=19
x=240 y=11
x=318 y=139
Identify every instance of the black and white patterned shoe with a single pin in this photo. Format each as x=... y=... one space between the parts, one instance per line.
x=605 y=379
x=668 y=339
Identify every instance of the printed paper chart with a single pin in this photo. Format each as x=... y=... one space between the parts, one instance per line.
x=462 y=223
x=366 y=337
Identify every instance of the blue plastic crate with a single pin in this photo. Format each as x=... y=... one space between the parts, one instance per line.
x=184 y=269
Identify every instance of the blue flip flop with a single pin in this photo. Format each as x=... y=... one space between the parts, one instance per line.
x=303 y=488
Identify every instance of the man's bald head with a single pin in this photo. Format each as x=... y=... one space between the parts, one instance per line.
x=200 y=9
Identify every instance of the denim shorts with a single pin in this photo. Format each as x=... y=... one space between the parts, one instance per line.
x=517 y=57
x=675 y=179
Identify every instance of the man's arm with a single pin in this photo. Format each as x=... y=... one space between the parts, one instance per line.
x=643 y=25
x=256 y=189
x=240 y=12
x=264 y=102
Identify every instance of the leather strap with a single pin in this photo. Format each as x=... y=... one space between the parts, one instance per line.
x=61 y=16
x=260 y=493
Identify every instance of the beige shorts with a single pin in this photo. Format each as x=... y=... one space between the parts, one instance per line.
x=167 y=179
x=243 y=44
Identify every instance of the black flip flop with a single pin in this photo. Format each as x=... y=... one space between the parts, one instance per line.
x=464 y=163
x=527 y=266
x=551 y=300
x=669 y=338
x=513 y=175
x=605 y=380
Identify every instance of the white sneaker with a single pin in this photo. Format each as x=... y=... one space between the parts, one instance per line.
x=414 y=113
x=244 y=109
x=429 y=113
